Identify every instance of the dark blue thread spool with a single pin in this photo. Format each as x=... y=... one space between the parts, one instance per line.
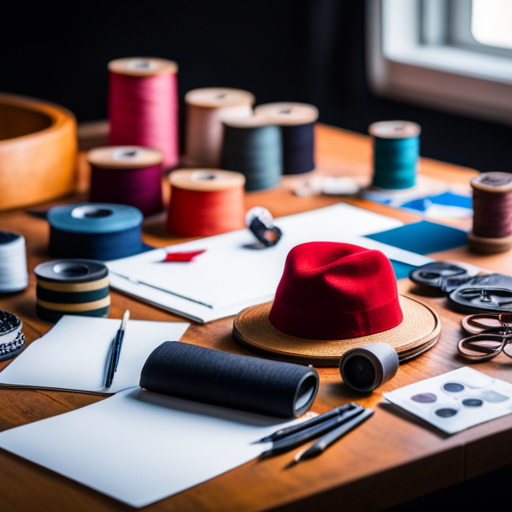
x=296 y=121
x=396 y=146
x=253 y=147
x=99 y=231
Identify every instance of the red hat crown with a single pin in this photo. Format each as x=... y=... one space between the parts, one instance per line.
x=332 y=291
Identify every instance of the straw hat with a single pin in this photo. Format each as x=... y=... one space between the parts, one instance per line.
x=334 y=297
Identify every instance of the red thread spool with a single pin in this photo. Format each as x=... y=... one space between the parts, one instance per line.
x=129 y=175
x=143 y=105
x=492 y=212
x=206 y=202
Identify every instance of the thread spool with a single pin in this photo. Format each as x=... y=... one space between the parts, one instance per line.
x=396 y=146
x=98 y=231
x=130 y=175
x=297 y=123
x=492 y=213
x=252 y=146
x=12 y=339
x=143 y=105
x=205 y=202
x=72 y=287
x=207 y=108
x=13 y=262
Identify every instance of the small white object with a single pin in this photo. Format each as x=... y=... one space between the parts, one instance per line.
x=328 y=185
x=13 y=262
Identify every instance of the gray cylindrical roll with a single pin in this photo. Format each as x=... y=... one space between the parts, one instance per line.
x=366 y=368
x=240 y=382
x=13 y=262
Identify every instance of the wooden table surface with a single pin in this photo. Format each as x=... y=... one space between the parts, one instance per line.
x=392 y=458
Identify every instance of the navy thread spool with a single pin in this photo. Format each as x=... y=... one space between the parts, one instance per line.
x=396 y=147
x=97 y=231
x=72 y=287
x=13 y=262
x=297 y=123
x=12 y=340
x=252 y=146
x=130 y=175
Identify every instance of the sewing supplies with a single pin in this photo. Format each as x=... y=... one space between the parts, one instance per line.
x=294 y=439
x=297 y=124
x=261 y=224
x=13 y=262
x=98 y=231
x=130 y=175
x=12 y=340
x=492 y=213
x=396 y=147
x=143 y=105
x=253 y=147
x=71 y=287
x=182 y=257
x=314 y=318
x=490 y=335
x=240 y=382
x=442 y=275
x=115 y=353
x=207 y=108
x=205 y=202
x=330 y=438
x=366 y=368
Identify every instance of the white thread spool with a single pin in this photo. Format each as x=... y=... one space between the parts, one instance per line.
x=207 y=108
x=13 y=262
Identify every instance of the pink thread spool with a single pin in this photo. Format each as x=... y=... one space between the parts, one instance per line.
x=129 y=175
x=207 y=108
x=143 y=105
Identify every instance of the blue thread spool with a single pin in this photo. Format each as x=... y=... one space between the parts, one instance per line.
x=97 y=231
x=296 y=121
x=252 y=146
x=396 y=146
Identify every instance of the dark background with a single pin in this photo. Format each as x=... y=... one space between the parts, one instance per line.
x=281 y=50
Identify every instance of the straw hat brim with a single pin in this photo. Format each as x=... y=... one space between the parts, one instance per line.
x=418 y=332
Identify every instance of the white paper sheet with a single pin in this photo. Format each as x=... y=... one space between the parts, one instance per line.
x=74 y=355
x=140 y=447
x=232 y=273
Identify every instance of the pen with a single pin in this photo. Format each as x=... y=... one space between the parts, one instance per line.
x=284 y=432
x=116 y=351
x=321 y=444
x=303 y=436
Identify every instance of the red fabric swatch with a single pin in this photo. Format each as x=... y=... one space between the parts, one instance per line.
x=182 y=256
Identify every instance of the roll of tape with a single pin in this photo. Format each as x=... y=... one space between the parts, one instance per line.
x=12 y=339
x=72 y=287
x=99 y=231
x=13 y=262
x=366 y=368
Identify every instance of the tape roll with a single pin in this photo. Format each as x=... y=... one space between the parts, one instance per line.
x=12 y=339
x=72 y=287
x=205 y=202
x=98 y=231
x=13 y=262
x=130 y=175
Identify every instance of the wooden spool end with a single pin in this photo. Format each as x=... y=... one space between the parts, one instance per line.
x=38 y=151
x=249 y=122
x=494 y=182
x=489 y=245
x=142 y=66
x=219 y=97
x=288 y=113
x=394 y=129
x=124 y=157
x=206 y=180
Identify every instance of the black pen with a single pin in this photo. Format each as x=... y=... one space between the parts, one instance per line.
x=325 y=441
x=285 y=432
x=116 y=351
x=294 y=440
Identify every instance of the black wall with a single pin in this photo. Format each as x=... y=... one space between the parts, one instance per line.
x=298 y=50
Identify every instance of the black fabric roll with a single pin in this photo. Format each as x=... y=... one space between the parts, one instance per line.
x=247 y=383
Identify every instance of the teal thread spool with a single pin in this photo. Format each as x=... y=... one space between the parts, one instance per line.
x=396 y=148
x=252 y=146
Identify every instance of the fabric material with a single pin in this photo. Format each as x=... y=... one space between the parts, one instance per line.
x=334 y=291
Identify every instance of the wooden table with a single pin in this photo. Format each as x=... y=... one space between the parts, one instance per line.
x=392 y=458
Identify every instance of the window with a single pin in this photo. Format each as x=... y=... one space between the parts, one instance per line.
x=453 y=54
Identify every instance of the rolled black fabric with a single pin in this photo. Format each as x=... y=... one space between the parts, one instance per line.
x=240 y=382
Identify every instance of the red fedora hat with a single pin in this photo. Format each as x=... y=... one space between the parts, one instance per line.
x=334 y=297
